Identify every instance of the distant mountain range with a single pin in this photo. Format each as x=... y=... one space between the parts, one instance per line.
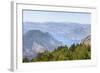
x=35 y=41
x=58 y=25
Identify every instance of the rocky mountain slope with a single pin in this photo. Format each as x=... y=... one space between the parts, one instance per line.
x=36 y=41
x=86 y=40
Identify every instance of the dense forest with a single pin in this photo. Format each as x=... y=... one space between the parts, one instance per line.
x=74 y=52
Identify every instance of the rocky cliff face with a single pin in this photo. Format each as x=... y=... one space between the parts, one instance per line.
x=86 y=40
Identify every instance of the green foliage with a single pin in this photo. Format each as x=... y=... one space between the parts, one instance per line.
x=74 y=52
x=81 y=52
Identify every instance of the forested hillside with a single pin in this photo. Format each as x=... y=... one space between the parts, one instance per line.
x=74 y=52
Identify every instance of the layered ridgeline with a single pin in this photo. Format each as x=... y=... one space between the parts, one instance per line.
x=36 y=41
x=70 y=31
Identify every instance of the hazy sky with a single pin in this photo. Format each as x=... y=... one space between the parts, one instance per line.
x=50 y=16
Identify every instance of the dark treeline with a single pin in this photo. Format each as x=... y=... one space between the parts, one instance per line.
x=74 y=52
